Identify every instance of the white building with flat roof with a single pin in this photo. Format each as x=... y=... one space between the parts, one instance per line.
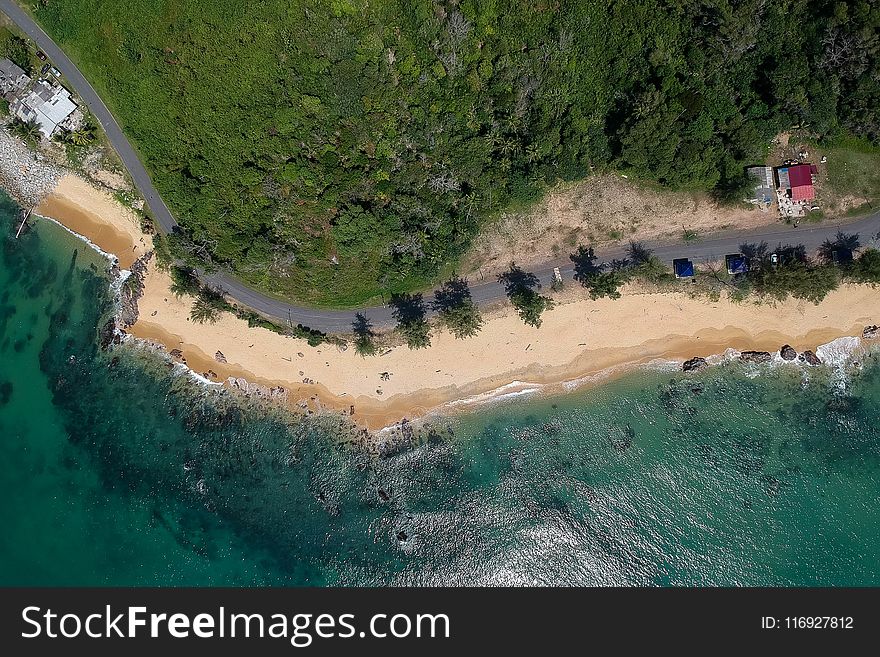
x=44 y=104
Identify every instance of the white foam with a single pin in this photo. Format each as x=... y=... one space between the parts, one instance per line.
x=507 y=391
x=110 y=256
x=839 y=352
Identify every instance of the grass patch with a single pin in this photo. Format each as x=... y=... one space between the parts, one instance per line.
x=854 y=168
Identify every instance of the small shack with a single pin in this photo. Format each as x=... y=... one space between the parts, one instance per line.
x=736 y=263
x=763 y=190
x=683 y=268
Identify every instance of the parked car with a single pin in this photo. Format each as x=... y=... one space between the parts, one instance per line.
x=41 y=55
x=56 y=72
x=44 y=69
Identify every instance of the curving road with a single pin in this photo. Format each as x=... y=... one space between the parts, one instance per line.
x=712 y=248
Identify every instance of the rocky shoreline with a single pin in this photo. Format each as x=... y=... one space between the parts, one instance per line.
x=786 y=353
x=26 y=176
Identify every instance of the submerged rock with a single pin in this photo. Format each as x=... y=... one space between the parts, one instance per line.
x=871 y=332
x=787 y=352
x=109 y=336
x=694 y=364
x=755 y=357
x=810 y=358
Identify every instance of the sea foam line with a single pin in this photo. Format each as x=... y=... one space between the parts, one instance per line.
x=110 y=256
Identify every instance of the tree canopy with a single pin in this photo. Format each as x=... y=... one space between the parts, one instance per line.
x=334 y=151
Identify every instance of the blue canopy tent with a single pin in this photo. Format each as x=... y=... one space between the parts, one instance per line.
x=683 y=268
x=736 y=263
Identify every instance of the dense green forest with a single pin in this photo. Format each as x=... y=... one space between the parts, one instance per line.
x=333 y=150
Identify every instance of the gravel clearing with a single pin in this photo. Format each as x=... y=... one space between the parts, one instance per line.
x=26 y=176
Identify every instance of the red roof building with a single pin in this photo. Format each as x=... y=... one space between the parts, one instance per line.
x=798 y=180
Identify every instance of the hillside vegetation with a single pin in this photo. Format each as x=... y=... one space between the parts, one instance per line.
x=291 y=135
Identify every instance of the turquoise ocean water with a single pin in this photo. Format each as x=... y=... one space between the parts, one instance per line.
x=113 y=470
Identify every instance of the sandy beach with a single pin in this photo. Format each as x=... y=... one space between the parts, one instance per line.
x=94 y=213
x=577 y=340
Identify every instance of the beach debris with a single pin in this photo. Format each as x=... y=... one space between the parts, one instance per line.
x=871 y=332
x=694 y=364
x=300 y=354
x=810 y=358
x=219 y=357
x=787 y=352
x=755 y=357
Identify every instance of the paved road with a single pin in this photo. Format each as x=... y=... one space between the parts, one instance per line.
x=708 y=249
x=704 y=250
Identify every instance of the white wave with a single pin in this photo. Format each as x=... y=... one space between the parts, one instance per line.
x=508 y=391
x=839 y=352
x=110 y=256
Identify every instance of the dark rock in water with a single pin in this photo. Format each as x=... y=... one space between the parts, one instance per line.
x=402 y=537
x=810 y=358
x=871 y=332
x=5 y=393
x=114 y=363
x=621 y=438
x=694 y=364
x=787 y=352
x=108 y=334
x=177 y=355
x=383 y=495
x=842 y=404
x=755 y=357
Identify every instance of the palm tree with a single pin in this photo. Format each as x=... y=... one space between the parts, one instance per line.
x=27 y=130
x=204 y=310
x=81 y=137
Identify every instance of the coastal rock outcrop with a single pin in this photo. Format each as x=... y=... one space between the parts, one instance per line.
x=219 y=357
x=108 y=335
x=810 y=358
x=132 y=290
x=787 y=352
x=755 y=357
x=694 y=364
x=871 y=332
